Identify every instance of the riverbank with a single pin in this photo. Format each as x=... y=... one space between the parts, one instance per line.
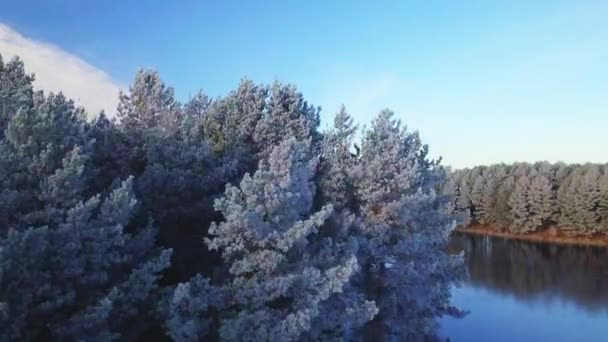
x=551 y=235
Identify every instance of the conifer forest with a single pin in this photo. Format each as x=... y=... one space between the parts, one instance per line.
x=303 y=171
x=523 y=198
x=237 y=218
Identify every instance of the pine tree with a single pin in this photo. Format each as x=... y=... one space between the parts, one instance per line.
x=69 y=267
x=278 y=286
x=177 y=187
x=192 y=115
x=187 y=311
x=404 y=232
x=149 y=104
x=603 y=201
x=178 y=173
x=35 y=142
x=463 y=200
x=286 y=114
x=519 y=207
x=112 y=153
x=82 y=275
x=482 y=196
x=561 y=172
x=588 y=200
x=579 y=198
x=502 y=210
x=16 y=90
x=449 y=188
x=487 y=203
x=231 y=122
x=541 y=199
x=337 y=162
x=477 y=197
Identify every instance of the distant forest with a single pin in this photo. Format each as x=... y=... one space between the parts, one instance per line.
x=523 y=198
x=231 y=218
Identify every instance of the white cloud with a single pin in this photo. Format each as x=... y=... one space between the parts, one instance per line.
x=57 y=70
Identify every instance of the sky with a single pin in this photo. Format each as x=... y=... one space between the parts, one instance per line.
x=482 y=81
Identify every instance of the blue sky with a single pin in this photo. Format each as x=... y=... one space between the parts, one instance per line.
x=483 y=81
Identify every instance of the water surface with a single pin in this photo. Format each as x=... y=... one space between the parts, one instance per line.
x=521 y=291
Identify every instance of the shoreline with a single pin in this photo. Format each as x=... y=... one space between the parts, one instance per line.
x=551 y=236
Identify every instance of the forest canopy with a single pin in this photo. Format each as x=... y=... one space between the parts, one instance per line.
x=230 y=218
x=523 y=197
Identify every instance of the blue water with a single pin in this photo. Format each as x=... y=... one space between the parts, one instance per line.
x=519 y=291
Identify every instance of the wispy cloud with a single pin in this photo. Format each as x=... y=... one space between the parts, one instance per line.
x=58 y=70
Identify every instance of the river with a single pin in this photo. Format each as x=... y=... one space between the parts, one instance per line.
x=521 y=291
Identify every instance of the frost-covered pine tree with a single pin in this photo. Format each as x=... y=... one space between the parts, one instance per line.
x=149 y=104
x=495 y=177
x=501 y=208
x=177 y=188
x=187 y=310
x=566 y=199
x=72 y=265
x=81 y=276
x=477 y=197
x=463 y=199
x=405 y=228
x=482 y=196
x=35 y=142
x=337 y=162
x=603 y=202
x=112 y=153
x=449 y=188
x=578 y=199
x=561 y=172
x=286 y=114
x=230 y=122
x=519 y=206
x=148 y=111
x=16 y=90
x=520 y=169
x=177 y=172
x=589 y=200
x=541 y=199
x=458 y=206
x=281 y=271
x=192 y=114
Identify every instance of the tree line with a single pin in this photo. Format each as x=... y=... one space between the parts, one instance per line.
x=523 y=197
x=232 y=218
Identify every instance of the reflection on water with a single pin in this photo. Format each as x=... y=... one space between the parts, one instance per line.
x=532 y=270
x=520 y=291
